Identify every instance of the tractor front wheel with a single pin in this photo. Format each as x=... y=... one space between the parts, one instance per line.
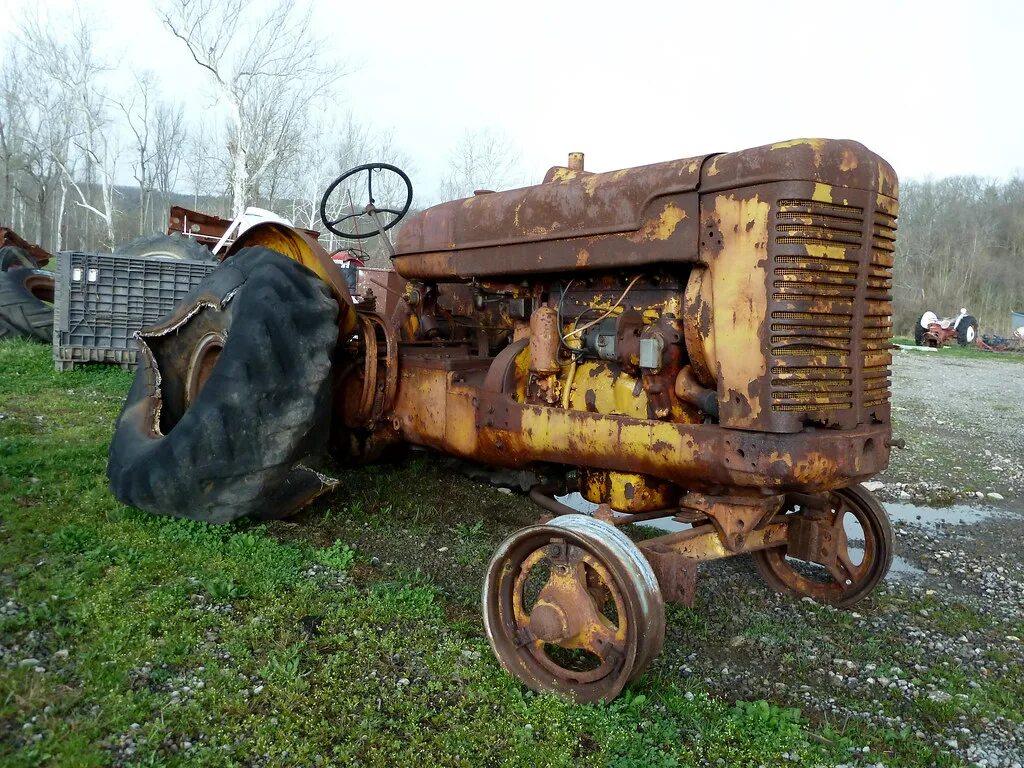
x=967 y=331
x=572 y=607
x=232 y=394
x=854 y=517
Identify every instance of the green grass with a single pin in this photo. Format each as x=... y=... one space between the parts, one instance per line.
x=349 y=635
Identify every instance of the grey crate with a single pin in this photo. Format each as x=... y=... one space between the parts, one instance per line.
x=102 y=299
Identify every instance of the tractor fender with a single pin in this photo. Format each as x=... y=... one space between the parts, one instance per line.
x=300 y=247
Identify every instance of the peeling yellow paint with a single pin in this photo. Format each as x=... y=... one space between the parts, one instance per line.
x=665 y=225
x=815 y=144
x=599 y=390
x=582 y=257
x=822 y=193
x=739 y=300
x=887 y=182
x=713 y=170
x=848 y=161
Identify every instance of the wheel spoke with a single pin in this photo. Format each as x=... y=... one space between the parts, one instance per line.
x=369 y=183
x=336 y=222
x=843 y=556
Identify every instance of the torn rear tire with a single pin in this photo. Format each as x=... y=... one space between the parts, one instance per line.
x=233 y=393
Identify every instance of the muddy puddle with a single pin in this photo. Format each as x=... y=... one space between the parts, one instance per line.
x=960 y=514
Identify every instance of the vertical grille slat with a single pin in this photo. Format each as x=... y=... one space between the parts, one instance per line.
x=830 y=328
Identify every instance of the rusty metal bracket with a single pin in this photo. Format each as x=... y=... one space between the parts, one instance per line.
x=734 y=516
x=704 y=542
x=498 y=411
x=676 y=574
x=811 y=539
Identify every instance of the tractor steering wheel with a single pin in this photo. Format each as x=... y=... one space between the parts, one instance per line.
x=370 y=210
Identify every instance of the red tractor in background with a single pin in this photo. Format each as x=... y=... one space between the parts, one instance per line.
x=930 y=331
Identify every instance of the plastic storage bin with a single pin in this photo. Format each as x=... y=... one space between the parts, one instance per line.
x=101 y=300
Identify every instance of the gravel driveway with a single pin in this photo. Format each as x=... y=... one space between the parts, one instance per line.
x=963 y=420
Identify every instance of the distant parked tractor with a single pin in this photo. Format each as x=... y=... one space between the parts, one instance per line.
x=930 y=331
x=705 y=340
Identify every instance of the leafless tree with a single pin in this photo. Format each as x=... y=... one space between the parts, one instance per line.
x=12 y=127
x=482 y=159
x=266 y=66
x=202 y=161
x=139 y=115
x=169 y=137
x=71 y=65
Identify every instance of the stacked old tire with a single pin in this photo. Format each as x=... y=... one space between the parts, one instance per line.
x=26 y=297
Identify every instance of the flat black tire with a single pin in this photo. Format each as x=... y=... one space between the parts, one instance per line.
x=26 y=304
x=166 y=247
x=232 y=395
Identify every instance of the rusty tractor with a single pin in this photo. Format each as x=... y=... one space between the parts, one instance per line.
x=704 y=341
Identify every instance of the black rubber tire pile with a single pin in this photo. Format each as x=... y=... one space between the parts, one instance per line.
x=26 y=297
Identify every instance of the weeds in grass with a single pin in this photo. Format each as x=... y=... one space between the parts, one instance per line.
x=220 y=588
x=469 y=532
x=338 y=556
x=283 y=665
x=764 y=717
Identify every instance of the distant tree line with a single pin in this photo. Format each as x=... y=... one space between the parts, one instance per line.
x=960 y=243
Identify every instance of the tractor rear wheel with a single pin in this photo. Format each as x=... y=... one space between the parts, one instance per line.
x=921 y=326
x=967 y=331
x=232 y=394
x=26 y=304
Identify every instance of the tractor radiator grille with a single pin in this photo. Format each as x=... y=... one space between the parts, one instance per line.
x=878 y=310
x=831 y=312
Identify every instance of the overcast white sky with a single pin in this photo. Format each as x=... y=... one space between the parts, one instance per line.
x=935 y=88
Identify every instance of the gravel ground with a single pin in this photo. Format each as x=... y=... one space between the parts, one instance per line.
x=962 y=420
x=936 y=653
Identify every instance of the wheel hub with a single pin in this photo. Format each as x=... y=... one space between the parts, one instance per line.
x=549 y=622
